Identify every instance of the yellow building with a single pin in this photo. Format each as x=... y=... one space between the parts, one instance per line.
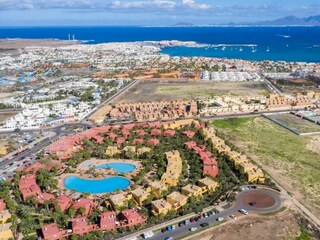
x=5 y=231
x=131 y=149
x=143 y=150
x=207 y=184
x=192 y=190
x=247 y=167
x=241 y=160
x=140 y=195
x=172 y=169
x=4 y=216
x=174 y=154
x=179 y=123
x=224 y=149
x=256 y=175
x=234 y=154
x=120 y=199
x=157 y=188
x=177 y=200
x=160 y=206
x=170 y=179
x=112 y=150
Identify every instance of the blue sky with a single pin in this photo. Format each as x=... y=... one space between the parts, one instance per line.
x=148 y=12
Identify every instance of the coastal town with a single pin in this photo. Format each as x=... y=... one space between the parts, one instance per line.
x=122 y=141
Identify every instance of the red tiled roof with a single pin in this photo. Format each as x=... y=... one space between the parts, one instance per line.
x=3 y=205
x=28 y=186
x=86 y=203
x=132 y=217
x=52 y=232
x=44 y=196
x=108 y=221
x=64 y=202
x=210 y=170
x=153 y=141
x=81 y=226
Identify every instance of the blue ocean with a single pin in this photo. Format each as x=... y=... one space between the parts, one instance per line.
x=249 y=43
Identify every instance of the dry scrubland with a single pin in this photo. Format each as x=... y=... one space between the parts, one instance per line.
x=156 y=91
x=281 y=227
x=292 y=160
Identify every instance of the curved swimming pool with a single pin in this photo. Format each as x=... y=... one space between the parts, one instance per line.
x=118 y=167
x=106 y=185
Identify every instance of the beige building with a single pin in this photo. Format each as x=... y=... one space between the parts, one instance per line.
x=140 y=195
x=112 y=150
x=192 y=190
x=157 y=188
x=177 y=200
x=143 y=150
x=120 y=199
x=160 y=206
x=207 y=184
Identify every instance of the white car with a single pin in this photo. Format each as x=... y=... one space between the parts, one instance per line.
x=148 y=235
x=243 y=211
x=192 y=229
x=220 y=219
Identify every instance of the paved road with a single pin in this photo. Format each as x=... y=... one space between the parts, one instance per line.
x=239 y=204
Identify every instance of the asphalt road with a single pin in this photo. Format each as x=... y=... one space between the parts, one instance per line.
x=239 y=204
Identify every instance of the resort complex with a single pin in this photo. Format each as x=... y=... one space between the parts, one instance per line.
x=120 y=176
x=123 y=141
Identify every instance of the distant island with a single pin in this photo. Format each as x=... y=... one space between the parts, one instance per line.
x=292 y=21
x=286 y=21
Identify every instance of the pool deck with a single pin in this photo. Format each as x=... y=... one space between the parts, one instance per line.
x=103 y=173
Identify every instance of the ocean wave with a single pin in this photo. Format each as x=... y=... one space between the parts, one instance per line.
x=284 y=36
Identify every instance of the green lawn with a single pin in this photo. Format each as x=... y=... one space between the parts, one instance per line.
x=282 y=153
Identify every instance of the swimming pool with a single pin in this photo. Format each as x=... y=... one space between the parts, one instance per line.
x=106 y=185
x=119 y=167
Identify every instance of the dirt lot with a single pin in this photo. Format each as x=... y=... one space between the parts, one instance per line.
x=282 y=226
x=288 y=158
x=6 y=116
x=156 y=91
x=11 y=47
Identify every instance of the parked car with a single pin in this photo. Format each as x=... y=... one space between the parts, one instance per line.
x=220 y=219
x=252 y=203
x=147 y=235
x=193 y=229
x=168 y=238
x=243 y=211
x=233 y=217
x=204 y=224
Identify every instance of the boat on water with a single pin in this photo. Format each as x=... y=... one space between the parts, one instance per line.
x=268 y=49
x=241 y=49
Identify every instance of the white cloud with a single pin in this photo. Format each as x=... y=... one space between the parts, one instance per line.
x=164 y=4
x=194 y=5
x=103 y=5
